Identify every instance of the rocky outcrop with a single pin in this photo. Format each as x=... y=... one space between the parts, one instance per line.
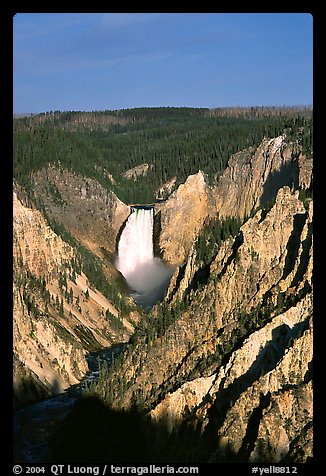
x=58 y=316
x=166 y=189
x=253 y=177
x=261 y=258
x=230 y=358
x=181 y=216
x=305 y=174
x=35 y=245
x=263 y=389
x=250 y=181
x=83 y=207
x=138 y=171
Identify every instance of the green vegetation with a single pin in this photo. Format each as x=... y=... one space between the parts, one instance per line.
x=32 y=290
x=63 y=332
x=156 y=324
x=86 y=336
x=173 y=141
x=213 y=233
x=92 y=266
x=55 y=194
x=305 y=195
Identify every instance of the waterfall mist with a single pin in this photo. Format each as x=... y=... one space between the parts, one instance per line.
x=146 y=275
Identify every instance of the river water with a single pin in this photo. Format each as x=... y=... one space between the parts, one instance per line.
x=33 y=424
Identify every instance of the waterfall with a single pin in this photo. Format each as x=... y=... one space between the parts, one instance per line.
x=136 y=242
x=146 y=275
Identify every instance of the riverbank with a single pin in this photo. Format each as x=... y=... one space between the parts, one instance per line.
x=34 y=424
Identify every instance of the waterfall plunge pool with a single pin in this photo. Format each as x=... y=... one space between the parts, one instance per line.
x=147 y=276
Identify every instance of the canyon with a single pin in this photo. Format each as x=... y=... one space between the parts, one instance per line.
x=222 y=367
x=50 y=343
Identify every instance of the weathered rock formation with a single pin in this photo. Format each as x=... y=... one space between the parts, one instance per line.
x=83 y=207
x=250 y=181
x=229 y=361
x=253 y=177
x=58 y=317
x=166 y=189
x=138 y=171
x=181 y=216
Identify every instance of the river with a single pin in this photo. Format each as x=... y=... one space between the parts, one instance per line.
x=33 y=424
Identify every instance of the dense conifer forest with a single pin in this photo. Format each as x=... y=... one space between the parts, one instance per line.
x=173 y=142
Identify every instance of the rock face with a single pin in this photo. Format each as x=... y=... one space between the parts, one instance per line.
x=226 y=367
x=138 y=171
x=253 y=177
x=166 y=189
x=55 y=321
x=181 y=216
x=250 y=181
x=40 y=249
x=86 y=210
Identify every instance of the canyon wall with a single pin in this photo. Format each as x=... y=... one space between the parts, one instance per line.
x=250 y=181
x=225 y=363
x=83 y=207
x=58 y=315
x=222 y=368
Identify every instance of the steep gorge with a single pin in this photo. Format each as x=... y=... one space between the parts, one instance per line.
x=58 y=314
x=235 y=357
x=222 y=367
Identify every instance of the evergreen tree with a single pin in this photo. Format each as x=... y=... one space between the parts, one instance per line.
x=172 y=141
x=61 y=310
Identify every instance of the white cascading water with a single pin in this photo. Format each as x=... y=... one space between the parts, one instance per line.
x=144 y=273
x=136 y=242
